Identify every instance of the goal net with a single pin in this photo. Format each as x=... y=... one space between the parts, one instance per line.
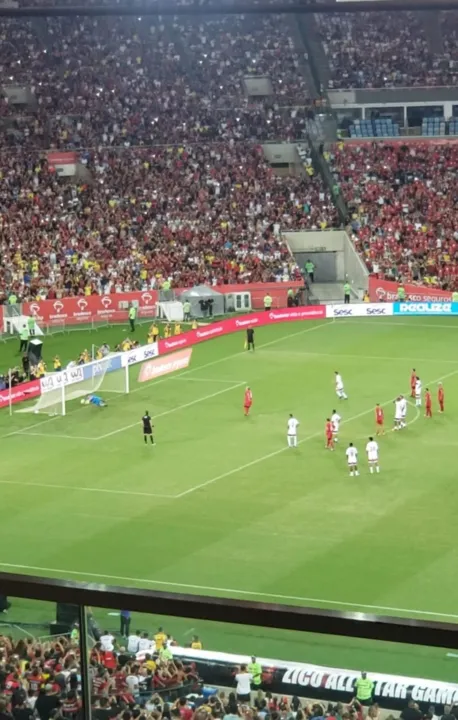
x=100 y=376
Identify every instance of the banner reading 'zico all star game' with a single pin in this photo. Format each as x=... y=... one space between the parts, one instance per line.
x=387 y=291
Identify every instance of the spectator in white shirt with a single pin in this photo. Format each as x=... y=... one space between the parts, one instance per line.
x=107 y=642
x=133 y=643
x=145 y=643
x=133 y=683
x=243 y=680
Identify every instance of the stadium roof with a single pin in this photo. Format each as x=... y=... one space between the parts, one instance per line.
x=204 y=7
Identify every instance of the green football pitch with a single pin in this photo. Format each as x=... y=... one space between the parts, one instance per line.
x=220 y=506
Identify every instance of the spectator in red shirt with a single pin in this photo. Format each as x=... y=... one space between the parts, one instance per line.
x=186 y=712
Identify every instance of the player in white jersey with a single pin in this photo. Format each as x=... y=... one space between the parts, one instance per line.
x=397 y=413
x=418 y=392
x=335 y=422
x=372 y=455
x=403 y=402
x=340 y=391
x=352 y=459
x=293 y=424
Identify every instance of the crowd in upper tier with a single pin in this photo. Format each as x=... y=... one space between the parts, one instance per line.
x=403 y=201
x=383 y=50
x=123 y=81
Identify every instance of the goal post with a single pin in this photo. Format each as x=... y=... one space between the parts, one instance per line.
x=107 y=375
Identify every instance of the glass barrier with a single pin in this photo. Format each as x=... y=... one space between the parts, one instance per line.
x=162 y=660
x=153 y=666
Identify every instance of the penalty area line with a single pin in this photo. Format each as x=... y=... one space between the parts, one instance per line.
x=318 y=602
x=283 y=338
x=53 y=435
x=67 y=488
x=172 y=410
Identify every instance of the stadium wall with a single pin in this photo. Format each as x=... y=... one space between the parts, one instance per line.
x=219 y=329
x=114 y=307
x=236 y=324
x=387 y=291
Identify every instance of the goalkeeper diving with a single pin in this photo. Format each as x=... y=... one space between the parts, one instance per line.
x=93 y=400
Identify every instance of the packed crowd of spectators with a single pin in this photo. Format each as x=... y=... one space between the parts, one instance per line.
x=138 y=677
x=43 y=679
x=124 y=81
x=189 y=213
x=203 y=213
x=403 y=200
x=383 y=50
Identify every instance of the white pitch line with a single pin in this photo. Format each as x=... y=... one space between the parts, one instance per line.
x=234 y=471
x=107 y=491
x=362 y=357
x=354 y=321
x=26 y=632
x=409 y=422
x=66 y=437
x=229 y=591
x=324 y=324
x=208 y=482
x=208 y=380
x=172 y=410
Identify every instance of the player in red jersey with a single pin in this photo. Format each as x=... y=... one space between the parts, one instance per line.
x=379 y=420
x=329 y=436
x=248 y=401
x=428 y=404
x=440 y=397
x=413 y=382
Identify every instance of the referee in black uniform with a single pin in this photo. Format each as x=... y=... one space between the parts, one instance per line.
x=147 y=428
x=250 y=339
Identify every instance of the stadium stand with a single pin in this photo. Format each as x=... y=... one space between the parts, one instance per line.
x=124 y=83
x=374 y=128
x=41 y=679
x=382 y=50
x=206 y=213
x=433 y=126
x=44 y=677
x=102 y=87
x=402 y=200
x=130 y=81
x=430 y=127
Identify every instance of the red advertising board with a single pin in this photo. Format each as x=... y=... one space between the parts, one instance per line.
x=114 y=307
x=62 y=158
x=235 y=324
x=278 y=292
x=85 y=309
x=25 y=391
x=387 y=291
x=156 y=368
